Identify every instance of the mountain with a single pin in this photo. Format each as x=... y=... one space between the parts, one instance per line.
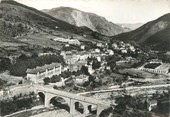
x=13 y=13
x=155 y=34
x=90 y=20
x=23 y=28
x=18 y=19
x=131 y=26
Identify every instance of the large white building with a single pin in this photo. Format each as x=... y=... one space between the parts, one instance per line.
x=163 y=69
x=69 y=41
x=44 y=54
x=37 y=74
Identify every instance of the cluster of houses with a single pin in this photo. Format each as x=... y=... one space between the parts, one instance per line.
x=123 y=47
x=72 y=57
x=75 y=60
x=127 y=60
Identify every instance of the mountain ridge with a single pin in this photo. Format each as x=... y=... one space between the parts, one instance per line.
x=155 y=34
x=91 y=20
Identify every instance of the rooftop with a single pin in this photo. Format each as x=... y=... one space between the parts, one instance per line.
x=164 y=66
x=81 y=76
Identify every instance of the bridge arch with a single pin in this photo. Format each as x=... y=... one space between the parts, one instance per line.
x=41 y=96
x=92 y=109
x=106 y=112
x=60 y=102
x=79 y=107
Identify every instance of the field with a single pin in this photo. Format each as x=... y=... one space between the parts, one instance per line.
x=10 y=79
x=42 y=40
x=137 y=73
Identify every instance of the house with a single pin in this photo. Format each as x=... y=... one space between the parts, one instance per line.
x=115 y=46
x=80 y=80
x=76 y=66
x=99 y=59
x=67 y=45
x=82 y=47
x=155 y=61
x=123 y=51
x=70 y=57
x=63 y=54
x=97 y=50
x=121 y=43
x=99 y=44
x=95 y=54
x=132 y=48
x=61 y=39
x=84 y=55
x=108 y=67
x=37 y=74
x=1 y=93
x=58 y=84
x=65 y=68
x=90 y=70
x=152 y=105
x=74 y=42
x=110 y=52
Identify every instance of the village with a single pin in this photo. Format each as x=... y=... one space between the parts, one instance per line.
x=105 y=71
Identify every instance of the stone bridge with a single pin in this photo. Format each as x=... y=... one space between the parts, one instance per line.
x=72 y=100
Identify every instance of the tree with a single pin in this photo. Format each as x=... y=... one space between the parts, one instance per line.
x=96 y=64
x=34 y=55
x=18 y=69
x=84 y=70
x=4 y=64
x=21 y=28
x=23 y=57
x=65 y=74
x=91 y=78
x=55 y=87
x=20 y=82
x=23 y=63
x=46 y=81
x=55 y=79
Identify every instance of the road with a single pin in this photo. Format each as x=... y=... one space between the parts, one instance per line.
x=127 y=89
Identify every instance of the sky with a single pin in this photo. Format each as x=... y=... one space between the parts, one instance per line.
x=116 y=11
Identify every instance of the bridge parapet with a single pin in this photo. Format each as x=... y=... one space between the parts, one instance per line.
x=71 y=99
x=70 y=95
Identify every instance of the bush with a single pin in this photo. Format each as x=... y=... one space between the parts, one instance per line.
x=17 y=104
x=55 y=87
x=4 y=64
x=75 y=88
x=55 y=79
x=46 y=81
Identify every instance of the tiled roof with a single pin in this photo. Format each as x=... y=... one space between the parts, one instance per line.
x=43 y=68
